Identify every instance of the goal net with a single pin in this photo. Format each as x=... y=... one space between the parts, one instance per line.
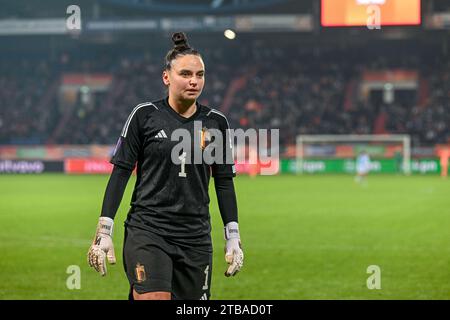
x=337 y=153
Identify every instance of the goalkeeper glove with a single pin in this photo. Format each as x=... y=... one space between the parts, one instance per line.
x=233 y=252
x=102 y=247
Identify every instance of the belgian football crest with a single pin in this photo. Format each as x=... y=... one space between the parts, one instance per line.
x=205 y=138
x=140 y=273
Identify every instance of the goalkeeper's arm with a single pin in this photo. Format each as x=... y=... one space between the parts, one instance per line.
x=226 y=198
x=102 y=246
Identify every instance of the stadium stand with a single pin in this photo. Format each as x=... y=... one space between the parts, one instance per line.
x=307 y=90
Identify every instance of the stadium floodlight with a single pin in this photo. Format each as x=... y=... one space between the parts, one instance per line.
x=325 y=146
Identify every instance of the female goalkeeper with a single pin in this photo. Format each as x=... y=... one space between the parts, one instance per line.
x=167 y=251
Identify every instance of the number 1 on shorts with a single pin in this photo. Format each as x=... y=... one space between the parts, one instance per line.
x=205 y=287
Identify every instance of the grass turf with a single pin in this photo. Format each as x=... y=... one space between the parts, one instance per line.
x=304 y=237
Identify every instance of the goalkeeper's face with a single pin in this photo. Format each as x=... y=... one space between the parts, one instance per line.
x=186 y=78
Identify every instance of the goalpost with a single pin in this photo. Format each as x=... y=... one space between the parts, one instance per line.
x=327 y=144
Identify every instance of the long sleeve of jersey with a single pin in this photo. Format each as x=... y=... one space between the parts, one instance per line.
x=226 y=198
x=114 y=191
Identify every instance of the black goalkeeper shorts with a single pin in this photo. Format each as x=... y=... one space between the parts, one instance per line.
x=153 y=263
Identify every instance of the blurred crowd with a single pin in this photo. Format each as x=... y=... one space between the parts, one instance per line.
x=296 y=89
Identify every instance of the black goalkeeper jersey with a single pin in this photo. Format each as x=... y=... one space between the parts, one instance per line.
x=170 y=199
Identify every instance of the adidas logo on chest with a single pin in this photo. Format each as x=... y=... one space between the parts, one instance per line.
x=161 y=134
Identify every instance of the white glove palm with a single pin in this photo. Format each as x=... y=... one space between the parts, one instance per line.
x=102 y=247
x=234 y=255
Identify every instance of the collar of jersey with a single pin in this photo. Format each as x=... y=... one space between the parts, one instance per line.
x=177 y=116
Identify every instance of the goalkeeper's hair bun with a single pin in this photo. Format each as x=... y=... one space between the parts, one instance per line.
x=180 y=41
x=181 y=48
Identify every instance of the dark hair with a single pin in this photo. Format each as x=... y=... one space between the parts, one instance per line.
x=181 y=48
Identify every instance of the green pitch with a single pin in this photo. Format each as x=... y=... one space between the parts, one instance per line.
x=310 y=237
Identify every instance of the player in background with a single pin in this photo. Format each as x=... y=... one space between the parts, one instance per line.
x=444 y=154
x=167 y=250
x=398 y=158
x=362 y=167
